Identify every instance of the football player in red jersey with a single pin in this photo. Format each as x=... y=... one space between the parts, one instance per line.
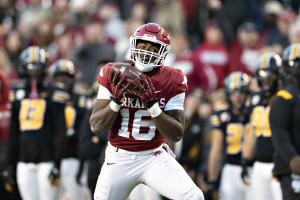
x=142 y=124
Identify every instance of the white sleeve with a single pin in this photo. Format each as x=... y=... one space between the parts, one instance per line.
x=103 y=93
x=176 y=102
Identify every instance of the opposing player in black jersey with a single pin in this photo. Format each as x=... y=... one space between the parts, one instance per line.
x=230 y=125
x=285 y=126
x=258 y=145
x=62 y=74
x=37 y=129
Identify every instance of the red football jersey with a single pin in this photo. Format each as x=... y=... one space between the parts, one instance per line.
x=134 y=130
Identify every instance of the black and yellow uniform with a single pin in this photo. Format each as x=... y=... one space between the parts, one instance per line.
x=37 y=125
x=37 y=129
x=260 y=109
x=70 y=165
x=74 y=112
x=233 y=127
x=285 y=126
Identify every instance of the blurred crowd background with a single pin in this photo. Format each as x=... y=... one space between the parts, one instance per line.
x=209 y=40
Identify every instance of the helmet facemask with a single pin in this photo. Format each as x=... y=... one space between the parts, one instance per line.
x=65 y=80
x=147 y=60
x=62 y=73
x=267 y=81
x=268 y=67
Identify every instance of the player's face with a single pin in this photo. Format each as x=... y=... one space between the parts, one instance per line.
x=147 y=46
x=34 y=73
x=237 y=99
x=65 y=79
x=266 y=79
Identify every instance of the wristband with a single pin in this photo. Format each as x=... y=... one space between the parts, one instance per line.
x=213 y=185
x=246 y=162
x=154 y=110
x=114 y=106
x=116 y=100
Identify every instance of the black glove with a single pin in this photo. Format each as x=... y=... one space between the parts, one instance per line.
x=212 y=191
x=54 y=176
x=8 y=175
x=147 y=94
x=118 y=86
x=245 y=163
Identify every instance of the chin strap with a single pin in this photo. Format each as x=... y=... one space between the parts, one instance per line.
x=143 y=67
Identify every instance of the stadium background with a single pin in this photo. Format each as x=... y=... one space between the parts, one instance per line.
x=209 y=39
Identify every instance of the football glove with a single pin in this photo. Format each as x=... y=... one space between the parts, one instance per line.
x=212 y=191
x=245 y=163
x=147 y=94
x=118 y=86
x=54 y=176
x=8 y=178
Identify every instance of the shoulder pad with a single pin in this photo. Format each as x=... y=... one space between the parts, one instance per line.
x=17 y=94
x=225 y=116
x=255 y=99
x=179 y=76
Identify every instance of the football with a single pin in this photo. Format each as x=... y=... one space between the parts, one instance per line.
x=131 y=74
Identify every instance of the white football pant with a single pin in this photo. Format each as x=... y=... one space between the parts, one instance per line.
x=33 y=182
x=144 y=192
x=123 y=171
x=265 y=187
x=68 y=170
x=232 y=186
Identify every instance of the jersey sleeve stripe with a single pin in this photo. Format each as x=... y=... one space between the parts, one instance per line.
x=284 y=94
x=60 y=96
x=103 y=93
x=176 y=102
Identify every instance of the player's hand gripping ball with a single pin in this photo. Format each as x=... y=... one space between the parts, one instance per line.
x=131 y=73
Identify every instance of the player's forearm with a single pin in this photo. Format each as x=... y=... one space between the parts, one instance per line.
x=249 y=145
x=102 y=120
x=169 y=127
x=214 y=166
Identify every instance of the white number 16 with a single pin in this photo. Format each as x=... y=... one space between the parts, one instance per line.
x=140 y=122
